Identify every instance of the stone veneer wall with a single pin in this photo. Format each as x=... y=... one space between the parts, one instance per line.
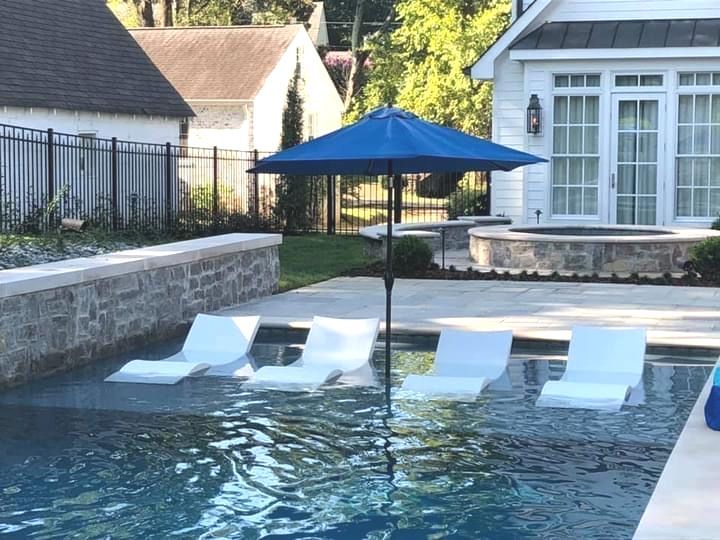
x=581 y=257
x=60 y=315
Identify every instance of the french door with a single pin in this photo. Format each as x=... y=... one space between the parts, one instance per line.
x=636 y=175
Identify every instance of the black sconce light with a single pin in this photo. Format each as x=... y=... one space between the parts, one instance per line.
x=534 y=115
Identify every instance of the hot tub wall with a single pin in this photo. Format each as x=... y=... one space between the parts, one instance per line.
x=581 y=257
x=60 y=315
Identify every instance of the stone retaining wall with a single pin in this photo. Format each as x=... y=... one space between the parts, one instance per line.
x=60 y=315
x=625 y=258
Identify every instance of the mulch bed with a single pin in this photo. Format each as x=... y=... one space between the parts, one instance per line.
x=689 y=279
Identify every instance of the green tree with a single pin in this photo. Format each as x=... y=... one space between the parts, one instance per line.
x=422 y=65
x=293 y=198
x=209 y=12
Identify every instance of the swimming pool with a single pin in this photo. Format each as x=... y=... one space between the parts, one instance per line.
x=208 y=459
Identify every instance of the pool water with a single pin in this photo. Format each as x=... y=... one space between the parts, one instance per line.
x=207 y=459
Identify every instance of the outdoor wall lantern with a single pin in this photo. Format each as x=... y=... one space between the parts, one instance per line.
x=534 y=115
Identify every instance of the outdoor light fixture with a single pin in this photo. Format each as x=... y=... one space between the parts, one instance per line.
x=534 y=115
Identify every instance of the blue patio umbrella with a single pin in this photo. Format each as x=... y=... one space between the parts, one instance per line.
x=391 y=141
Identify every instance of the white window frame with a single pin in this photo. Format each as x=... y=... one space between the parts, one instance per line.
x=691 y=90
x=594 y=91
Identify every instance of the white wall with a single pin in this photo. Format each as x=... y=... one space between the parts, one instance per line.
x=585 y=10
x=154 y=129
x=509 y=103
x=320 y=97
x=225 y=125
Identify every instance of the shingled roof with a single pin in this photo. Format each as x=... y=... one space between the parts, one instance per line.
x=74 y=54
x=623 y=34
x=220 y=62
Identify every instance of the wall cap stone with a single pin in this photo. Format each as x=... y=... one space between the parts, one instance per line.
x=378 y=232
x=525 y=233
x=39 y=277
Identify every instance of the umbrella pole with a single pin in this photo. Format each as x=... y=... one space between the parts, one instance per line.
x=389 y=279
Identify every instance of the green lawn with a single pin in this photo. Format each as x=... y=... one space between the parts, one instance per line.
x=311 y=258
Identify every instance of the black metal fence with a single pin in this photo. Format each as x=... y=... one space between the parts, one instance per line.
x=121 y=185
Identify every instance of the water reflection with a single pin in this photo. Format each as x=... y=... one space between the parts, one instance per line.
x=210 y=459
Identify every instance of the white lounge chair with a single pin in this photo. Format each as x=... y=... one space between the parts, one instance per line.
x=334 y=348
x=604 y=365
x=212 y=341
x=465 y=363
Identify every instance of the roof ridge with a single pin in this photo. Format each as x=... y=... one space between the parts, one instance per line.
x=217 y=27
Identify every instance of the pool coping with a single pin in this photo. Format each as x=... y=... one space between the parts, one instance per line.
x=523 y=233
x=683 y=505
x=552 y=336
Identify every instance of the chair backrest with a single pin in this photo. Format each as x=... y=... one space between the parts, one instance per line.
x=607 y=354
x=346 y=344
x=462 y=353
x=212 y=333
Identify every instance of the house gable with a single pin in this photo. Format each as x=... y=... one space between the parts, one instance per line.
x=540 y=13
x=229 y=63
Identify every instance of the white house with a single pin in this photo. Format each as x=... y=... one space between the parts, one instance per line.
x=317 y=25
x=629 y=93
x=236 y=80
x=71 y=66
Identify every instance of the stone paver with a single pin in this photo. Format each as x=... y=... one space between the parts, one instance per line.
x=680 y=316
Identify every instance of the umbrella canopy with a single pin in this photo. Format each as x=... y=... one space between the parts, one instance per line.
x=390 y=140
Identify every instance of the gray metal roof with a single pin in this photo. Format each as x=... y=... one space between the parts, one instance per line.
x=74 y=54
x=623 y=34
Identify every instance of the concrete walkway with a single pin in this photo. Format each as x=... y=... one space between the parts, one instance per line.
x=680 y=316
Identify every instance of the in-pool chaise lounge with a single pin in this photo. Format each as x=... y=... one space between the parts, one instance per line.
x=334 y=348
x=212 y=341
x=465 y=363
x=604 y=365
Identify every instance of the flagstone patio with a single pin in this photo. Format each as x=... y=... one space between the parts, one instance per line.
x=676 y=316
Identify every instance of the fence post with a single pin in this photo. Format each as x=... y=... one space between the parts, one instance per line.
x=168 y=186
x=256 y=190
x=50 y=177
x=488 y=192
x=398 y=187
x=330 y=204
x=215 y=206
x=114 y=182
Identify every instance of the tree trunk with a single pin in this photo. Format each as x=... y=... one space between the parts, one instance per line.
x=167 y=9
x=145 y=11
x=355 y=65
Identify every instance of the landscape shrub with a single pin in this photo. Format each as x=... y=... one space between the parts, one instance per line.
x=705 y=257
x=716 y=224
x=411 y=255
x=465 y=202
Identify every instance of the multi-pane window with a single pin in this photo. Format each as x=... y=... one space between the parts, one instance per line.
x=575 y=159
x=629 y=81
x=577 y=80
x=698 y=152
x=702 y=78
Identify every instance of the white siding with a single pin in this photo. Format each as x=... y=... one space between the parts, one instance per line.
x=586 y=10
x=105 y=126
x=321 y=100
x=509 y=103
x=225 y=125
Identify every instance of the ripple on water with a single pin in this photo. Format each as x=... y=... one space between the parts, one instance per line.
x=334 y=465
